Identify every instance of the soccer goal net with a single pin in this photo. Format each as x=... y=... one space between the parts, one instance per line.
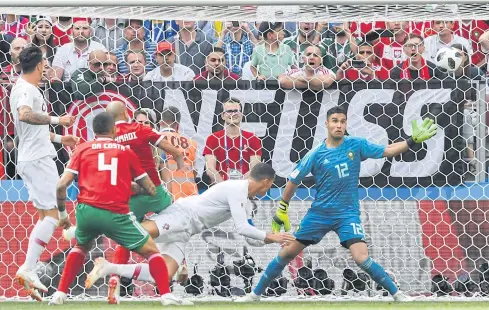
x=424 y=213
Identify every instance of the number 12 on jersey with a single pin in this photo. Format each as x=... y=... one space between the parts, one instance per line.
x=112 y=167
x=342 y=170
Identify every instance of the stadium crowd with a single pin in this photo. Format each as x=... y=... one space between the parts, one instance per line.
x=91 y=54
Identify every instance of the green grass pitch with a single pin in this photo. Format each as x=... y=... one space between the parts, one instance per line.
x=299 y=305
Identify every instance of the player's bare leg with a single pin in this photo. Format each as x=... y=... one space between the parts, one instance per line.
x=159 y=272
x=73 y=265
x=359 y=252
x=38 y=239
x=285 y=256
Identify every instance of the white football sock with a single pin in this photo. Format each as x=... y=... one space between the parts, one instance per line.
x=135 y=271
x=40 y=236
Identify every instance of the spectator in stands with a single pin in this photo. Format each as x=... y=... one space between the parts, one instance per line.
x=216 y=67
x=339 y=48
x=389 y=49
x=111 y=67
x=13 y=25
x=168 y=70
x=41 y=35
x=238 y=42
x=365 y=66
x=87 y=82
x=180 y=182
x=472 y=30
x=191 y=46
x=73 y=56
x=444 y=38
x=13 y=70
x=306 y=36
x=136 y=62
x=271 y=58
x=232 y=152
x=415 y=66
x=63 y=30
x=134 y=36
x=5 y=41
x=109 y=32
x=312 y=75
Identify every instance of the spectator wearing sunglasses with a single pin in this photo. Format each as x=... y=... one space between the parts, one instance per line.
x=215 y=67
x=89 y=81
x=232 y=152
x=364 y=66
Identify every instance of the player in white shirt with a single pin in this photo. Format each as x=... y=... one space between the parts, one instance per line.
x=444 y=38
x=189 y=216
x=35 y=162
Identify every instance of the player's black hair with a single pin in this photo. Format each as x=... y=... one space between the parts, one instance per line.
x=103 y=123
x=29 y=58
x=336 y=110
x=262 y=171
x=171 y=115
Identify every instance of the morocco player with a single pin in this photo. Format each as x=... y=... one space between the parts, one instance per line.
x=140 y=139
x=335 y=166
x=189 y=216
x=35 y=160
x=105 y=171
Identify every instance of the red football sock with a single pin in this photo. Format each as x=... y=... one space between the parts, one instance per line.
x=159 y=272
x=121 y=255
x=73 y=265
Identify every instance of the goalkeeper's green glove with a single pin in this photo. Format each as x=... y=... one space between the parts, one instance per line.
x=427 y=130
x=281 y=217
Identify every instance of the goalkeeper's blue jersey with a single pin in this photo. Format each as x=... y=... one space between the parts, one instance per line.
x=336 y=172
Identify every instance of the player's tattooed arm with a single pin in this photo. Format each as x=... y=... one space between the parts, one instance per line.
x=146 y=186
x=28 y=116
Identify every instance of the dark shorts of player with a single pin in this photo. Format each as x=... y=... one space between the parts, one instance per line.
x=124 y=229
x=140 y=205
x=314 y=227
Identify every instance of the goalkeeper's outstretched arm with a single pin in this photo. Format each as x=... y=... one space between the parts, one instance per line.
x=420 y=134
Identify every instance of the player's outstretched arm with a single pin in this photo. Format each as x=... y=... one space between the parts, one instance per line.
x=281 y=217
x=63 y=183
x=176 y=153
x=420 y=134
x=67 y=140
x=146 y=186
x=28 y=116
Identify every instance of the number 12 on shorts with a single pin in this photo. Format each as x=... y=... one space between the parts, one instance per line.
x=112 y=167
x=357 y=228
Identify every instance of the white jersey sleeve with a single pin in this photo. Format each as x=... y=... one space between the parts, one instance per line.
x=240 y=218
x=34 y=141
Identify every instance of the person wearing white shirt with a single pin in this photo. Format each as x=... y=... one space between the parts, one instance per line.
x=74 y=55
x=35 y=161
x=189 y=216
x=444 y=38
x=168 y=70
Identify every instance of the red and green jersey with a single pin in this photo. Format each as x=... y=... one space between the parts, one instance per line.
x=139 y=137
x=105 y=171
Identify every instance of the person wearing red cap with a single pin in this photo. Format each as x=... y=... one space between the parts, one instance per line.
x=74 y=55
x=168 y=70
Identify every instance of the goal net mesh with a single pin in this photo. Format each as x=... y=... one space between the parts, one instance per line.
x=424 y=213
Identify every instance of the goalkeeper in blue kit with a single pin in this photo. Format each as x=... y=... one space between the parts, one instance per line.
x=335 y=166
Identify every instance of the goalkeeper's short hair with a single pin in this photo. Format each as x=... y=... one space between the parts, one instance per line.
x=262 y=171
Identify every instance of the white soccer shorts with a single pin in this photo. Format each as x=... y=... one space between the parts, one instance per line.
x=40 y=177
x=175 y=227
